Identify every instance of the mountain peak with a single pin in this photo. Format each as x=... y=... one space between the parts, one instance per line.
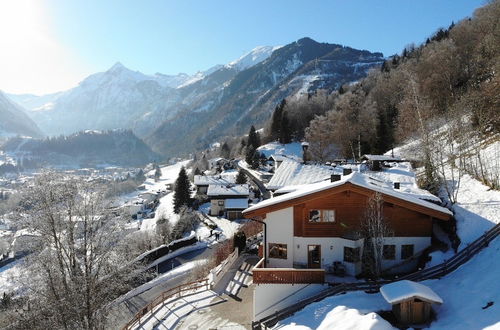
x=117 y=66
x=256 y=55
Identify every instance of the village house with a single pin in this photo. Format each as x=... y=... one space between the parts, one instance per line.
x=375 y=162
x=311 y=231
x=228 y=200
x=203 y=181
x=318 y=225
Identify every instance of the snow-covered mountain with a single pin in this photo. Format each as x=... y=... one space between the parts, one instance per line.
x=255 y=56
x=178 y=113
x=14 y=121
x=116 y=98
x=238 y=99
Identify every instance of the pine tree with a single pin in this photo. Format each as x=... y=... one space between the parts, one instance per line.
x=241 y=178
x=140 y=177
x=249 y=154
x=285 y=135
x=255 y=163
x=181 y=194
x=253 y=138
x=276 y=120
x=224 y=150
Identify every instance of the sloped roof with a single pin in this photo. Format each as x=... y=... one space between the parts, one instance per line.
x=292 y=173
x=228 y=190
x=397 y=292
x=356 y=179
x=205 y=180
x=380 y=158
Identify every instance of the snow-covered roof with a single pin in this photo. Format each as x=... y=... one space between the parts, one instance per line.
x=278 y=158
x=292 y=173
x=205 y=180
x=228 y=190
x=358 y=179
x=397 y=292
x=237 y=203
x=291 y=150
x=381 y=158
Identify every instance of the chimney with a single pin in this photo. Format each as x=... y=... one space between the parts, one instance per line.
x=347 y=171
x=335 y=177
x=305 y=153
x=397 y=185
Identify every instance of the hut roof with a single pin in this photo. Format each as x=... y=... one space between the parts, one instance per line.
x=397 y=292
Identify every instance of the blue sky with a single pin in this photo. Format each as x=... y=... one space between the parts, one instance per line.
x=86 y=36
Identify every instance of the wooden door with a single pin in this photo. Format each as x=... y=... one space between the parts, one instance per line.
x=314 y=256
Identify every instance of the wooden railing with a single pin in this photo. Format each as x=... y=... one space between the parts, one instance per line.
x=286 y=275
x=434 y=272
x=171 y=293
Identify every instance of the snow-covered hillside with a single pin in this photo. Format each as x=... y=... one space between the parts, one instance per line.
x=256 y=55
x=14 y=121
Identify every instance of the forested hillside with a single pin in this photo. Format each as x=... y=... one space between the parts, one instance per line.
x=88 y=148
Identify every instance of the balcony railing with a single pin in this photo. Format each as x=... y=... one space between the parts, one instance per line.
x=263 y=275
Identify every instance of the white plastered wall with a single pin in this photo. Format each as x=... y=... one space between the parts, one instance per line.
x=280 y=230
x=419 y=244
x=269 y=298
x=332 y=249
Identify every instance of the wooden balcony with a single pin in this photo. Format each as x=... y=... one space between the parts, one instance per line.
x=263 y=275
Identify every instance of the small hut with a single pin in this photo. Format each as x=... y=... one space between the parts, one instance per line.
x=411 y=302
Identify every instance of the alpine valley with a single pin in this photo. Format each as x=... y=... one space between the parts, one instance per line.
x=221 y=101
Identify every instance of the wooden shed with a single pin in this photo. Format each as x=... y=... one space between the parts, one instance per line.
x=411 y=302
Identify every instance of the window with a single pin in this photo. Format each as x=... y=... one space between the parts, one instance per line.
x=322 y=216
x=277 y=251
x=351 y=254
x=389 y=252
x=406 y=251
x=220 y=203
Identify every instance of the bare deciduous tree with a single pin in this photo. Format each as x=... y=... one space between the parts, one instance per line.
x=75 y=270
x=374 y=228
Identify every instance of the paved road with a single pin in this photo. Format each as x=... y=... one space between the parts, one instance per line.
x=263 y=190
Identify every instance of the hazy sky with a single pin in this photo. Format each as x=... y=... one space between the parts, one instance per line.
x=51 y=45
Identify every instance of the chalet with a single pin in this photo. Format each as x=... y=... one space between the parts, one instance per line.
x=317 y=227
x=148 y=197
x=230 y=195
x=375 y=162
x=411 y=302
x=203 y=181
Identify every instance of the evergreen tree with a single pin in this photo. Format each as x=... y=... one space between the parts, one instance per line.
x=285 y=135
x=181 y=193
x=253 y=138
x=197 y=171
x=140 y=177
x=241 y=178
x=276 y=120
x=255 y=160
x=249 y=154
x=224 y=150
x=157 y=173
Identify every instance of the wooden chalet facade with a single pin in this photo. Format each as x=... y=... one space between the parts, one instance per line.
x=318 y=229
